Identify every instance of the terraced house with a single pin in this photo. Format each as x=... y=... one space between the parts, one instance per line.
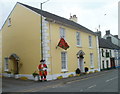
x=21 y=37
x=108 y=53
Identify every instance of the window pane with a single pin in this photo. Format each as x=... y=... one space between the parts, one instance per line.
x=63 y=60
x=78 y=38
x=91 y=60
x=62 y=33
x=90 y=41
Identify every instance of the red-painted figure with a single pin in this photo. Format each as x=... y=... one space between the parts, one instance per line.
x=42 y=70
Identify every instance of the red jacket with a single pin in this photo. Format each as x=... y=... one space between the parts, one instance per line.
x=41 y=71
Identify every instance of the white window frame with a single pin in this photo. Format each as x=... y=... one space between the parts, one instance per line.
x=62 y=33
x=6 y=65
x=91 y=60
x=64 y=61
x=90 y=41
x=78 y=39
x=9 y=21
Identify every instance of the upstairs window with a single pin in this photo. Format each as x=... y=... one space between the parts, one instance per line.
x=102 y=53
x=107 y=54
x=62 y=33
x=78 y=39
x=90 y=41
x=9 y=22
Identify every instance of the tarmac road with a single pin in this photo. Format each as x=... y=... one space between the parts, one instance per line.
x=106 y=81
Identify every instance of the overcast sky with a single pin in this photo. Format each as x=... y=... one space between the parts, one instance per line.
x=90 y=13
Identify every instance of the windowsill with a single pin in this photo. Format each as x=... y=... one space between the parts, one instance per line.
x=92 y=67
x=9 y=25
x=91 y=47
x=6 y=70
x=79 y=46
x=64 y=70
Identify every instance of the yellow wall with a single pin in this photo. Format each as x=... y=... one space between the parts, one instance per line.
x=72 y=51
x=22 y=38
x=0 y=51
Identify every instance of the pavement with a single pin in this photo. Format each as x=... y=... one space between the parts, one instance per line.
x=17 y=85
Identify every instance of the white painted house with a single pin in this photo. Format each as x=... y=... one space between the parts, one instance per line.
x=108 y=52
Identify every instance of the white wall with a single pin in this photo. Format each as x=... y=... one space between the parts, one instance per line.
x=113 y=55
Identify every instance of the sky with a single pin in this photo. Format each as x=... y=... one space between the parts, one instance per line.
x=92 y=14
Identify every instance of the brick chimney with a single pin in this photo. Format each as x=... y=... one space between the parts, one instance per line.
x=73 y=18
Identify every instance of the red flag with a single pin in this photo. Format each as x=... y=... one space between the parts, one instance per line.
x=63 y=44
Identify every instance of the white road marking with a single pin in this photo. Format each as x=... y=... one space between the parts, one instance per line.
x=111 y=79
x=92 y=86
x=81 y=90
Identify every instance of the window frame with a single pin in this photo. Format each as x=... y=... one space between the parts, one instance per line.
x=91 y=60
x=62 y=33
x=65 y=66
x=90 y=41
x=78 y=39
x=9 y=22
x=6 y=64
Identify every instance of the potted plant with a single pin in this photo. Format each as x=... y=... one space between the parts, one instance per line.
x=36 y=76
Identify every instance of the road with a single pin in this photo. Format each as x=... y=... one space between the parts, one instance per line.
x=106 y=81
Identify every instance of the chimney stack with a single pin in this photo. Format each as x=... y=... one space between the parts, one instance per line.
x=98 y=34
x=73 y=18
x=107 y=32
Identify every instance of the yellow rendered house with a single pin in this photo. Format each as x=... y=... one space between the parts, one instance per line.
x=0 y=52
x=21 y=44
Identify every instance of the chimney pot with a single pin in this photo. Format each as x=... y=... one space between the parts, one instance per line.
x=73 y=18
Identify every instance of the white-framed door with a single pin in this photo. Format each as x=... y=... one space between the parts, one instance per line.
x=81 y=64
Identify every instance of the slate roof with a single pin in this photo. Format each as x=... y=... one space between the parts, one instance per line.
x=103 y=43
x=60 y=19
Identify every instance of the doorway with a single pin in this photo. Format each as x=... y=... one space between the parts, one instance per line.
x=80 y=56
x=81 y=63
x=14 y=60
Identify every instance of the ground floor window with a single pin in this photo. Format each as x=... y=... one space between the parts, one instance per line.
x=6 y=64
x=91 y=60
x=103 y=65
x=107 y=64
x=64 y=61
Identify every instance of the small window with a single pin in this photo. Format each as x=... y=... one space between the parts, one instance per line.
x=9 y=22
x=62 y=33
x=91 y=60
x=64 y=60
x=102 y=53
x=107 y=64
x=90 y=41
x=103 y=65
x=6 y=64
x=78 y=39
x=110 y=53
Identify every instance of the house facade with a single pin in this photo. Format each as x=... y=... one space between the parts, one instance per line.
x=0 y=52
x=113 y=38
x=21 y=37
x=108 y=53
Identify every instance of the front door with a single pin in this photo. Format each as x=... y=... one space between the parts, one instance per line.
x=112 y=60
x=81 y=63
x=14 y=66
